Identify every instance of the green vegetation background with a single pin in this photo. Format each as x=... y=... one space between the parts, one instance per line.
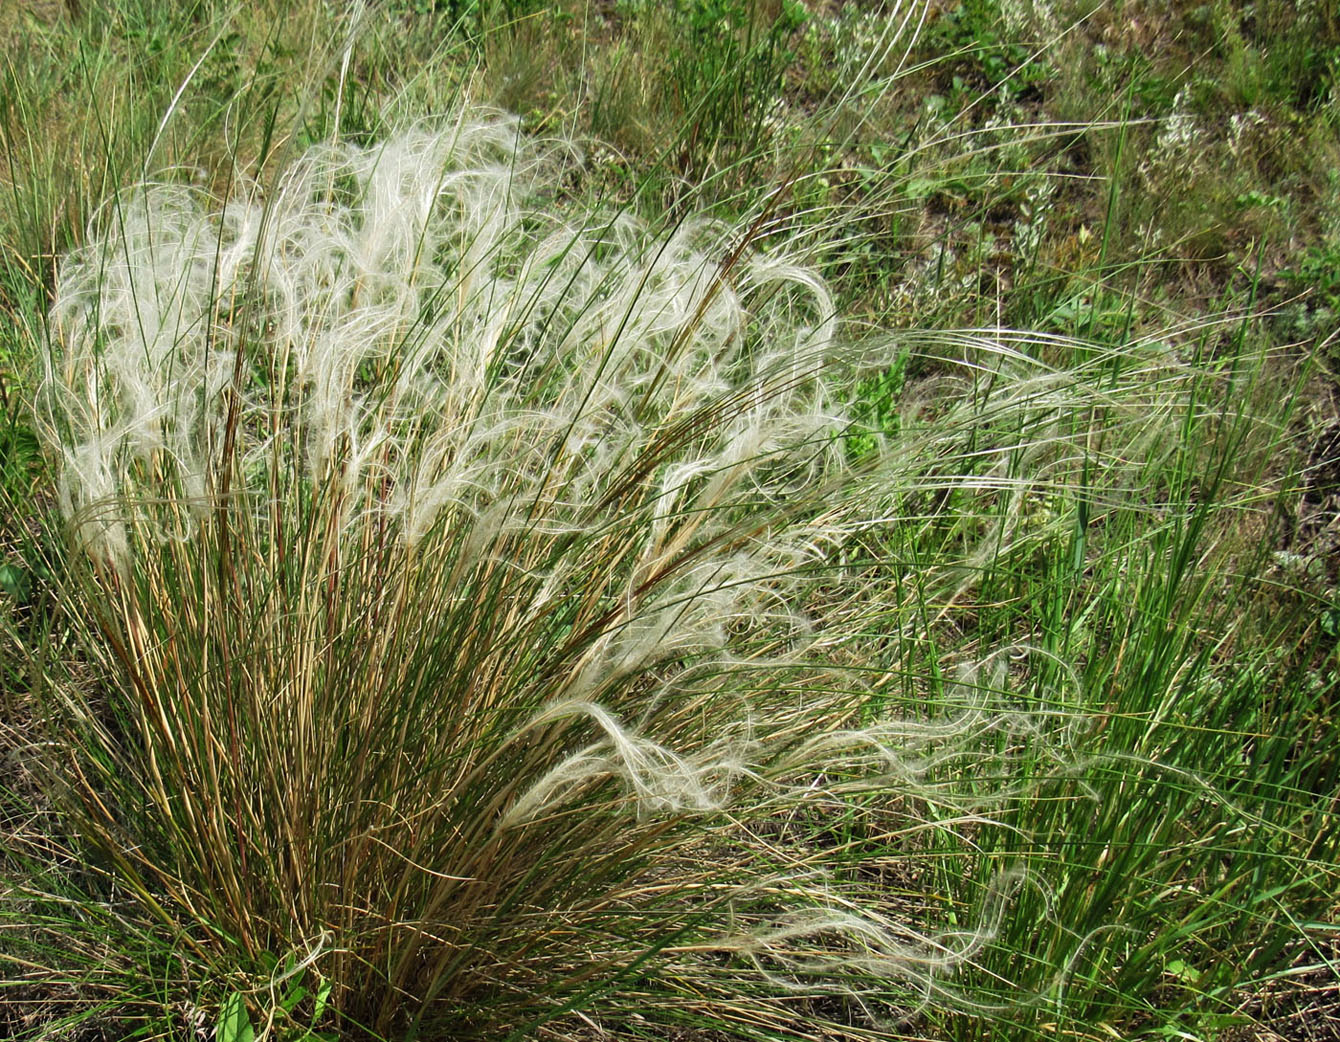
x=1106 y=175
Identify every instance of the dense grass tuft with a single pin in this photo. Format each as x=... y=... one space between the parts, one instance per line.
x=438 y=602
x=469 y=594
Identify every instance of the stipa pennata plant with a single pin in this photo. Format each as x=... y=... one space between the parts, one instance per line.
x=480 y=610
x=456 y=567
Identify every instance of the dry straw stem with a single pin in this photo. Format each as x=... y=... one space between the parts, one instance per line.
x=472 y=573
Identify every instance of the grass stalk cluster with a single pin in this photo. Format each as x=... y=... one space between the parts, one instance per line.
x=456 y=606
x=467 y=589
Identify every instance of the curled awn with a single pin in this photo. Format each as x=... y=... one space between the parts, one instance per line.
x=504 y=545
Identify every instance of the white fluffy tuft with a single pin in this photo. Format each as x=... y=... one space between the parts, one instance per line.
x=412 y=325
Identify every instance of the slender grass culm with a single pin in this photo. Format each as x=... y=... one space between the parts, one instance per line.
x=487 y=628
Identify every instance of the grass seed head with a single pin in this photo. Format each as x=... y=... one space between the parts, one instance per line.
x=489 y=533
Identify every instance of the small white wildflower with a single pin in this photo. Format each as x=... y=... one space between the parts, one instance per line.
x=1179 y=132
x=1238 y=125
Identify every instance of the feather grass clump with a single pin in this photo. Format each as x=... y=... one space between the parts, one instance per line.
x=463 y=565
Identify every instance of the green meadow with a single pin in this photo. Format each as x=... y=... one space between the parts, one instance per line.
x=682 y=520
